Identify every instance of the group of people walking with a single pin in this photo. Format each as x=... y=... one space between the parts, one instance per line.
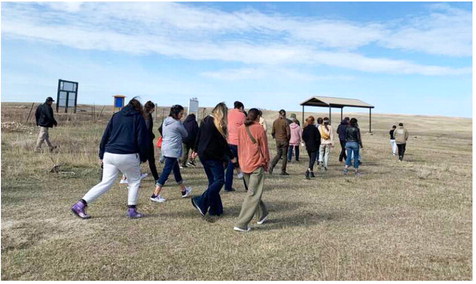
x=226 y=141
x=222 y=139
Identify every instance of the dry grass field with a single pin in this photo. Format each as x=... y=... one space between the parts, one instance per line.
x=407 y=220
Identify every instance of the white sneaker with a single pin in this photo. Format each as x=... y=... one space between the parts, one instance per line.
x=239 y=175
x=123 y=180
x=143 y=175
x=260 y=222
x=158 y=198
x=241 y=230
x=188 y=191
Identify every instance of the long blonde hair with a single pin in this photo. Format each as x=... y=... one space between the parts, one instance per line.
x=220 y=113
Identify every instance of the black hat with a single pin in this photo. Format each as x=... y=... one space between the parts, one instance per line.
x=49 y=99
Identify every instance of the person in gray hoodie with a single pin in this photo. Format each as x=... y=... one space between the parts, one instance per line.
x=173 y=133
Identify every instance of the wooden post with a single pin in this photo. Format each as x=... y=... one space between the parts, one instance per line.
x=32 y=105
x=302 y=121
x=370 y=120
x=330 y=118
x=341 y=110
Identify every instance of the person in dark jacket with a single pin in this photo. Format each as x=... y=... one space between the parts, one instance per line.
x=312 y=139
x=123 y=147
x=212 y=149
x=353 y=140
x=341 y=131
x=191 y=126
x=149 y=108
x=282 y=133
x=45 y=119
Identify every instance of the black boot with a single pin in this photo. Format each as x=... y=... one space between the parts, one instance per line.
x=307 y=174
x=312 y=174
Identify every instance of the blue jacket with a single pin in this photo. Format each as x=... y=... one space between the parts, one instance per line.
x=173 y=133
x=125 y=133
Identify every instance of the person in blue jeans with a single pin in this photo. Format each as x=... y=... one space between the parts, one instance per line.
x=353 y=141
x=214 y=153
x=235 y=118
x=173 y=133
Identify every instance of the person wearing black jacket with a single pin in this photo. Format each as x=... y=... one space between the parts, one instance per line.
x=123 y=147
x=149 y=108
x=212 y=149
x=191 y=126
x=312 y=139
x=353 y=141
x=45 y=119
x=341 y=131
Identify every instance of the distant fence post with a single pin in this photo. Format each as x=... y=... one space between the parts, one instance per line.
x=28 y=118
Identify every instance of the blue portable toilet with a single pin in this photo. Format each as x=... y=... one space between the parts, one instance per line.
x=119 y=102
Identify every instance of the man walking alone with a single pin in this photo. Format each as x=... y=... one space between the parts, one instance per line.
x=45 y=119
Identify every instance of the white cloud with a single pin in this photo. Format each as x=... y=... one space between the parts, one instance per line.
x=245 y=36
x=446 y=31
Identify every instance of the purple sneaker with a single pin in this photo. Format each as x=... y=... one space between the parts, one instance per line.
x=132 y=213
x=79 y=209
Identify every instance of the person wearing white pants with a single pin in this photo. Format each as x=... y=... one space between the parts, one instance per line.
x=123 y=147
x=392 y=140
x=129 y=164
x=327 y=142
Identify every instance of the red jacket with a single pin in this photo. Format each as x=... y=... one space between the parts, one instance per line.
x=236 y=118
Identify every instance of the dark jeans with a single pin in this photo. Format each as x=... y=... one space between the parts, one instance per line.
x=210 y=200
x=282 y=149
x=231 y=166
x=171 y=164
x=401 y=150
x=342 y=155
x=312 y=159
x=352 y=147
x=290 y=152
x=151 y=159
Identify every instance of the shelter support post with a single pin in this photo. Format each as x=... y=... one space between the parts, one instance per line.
x=370 y=120
x=341 y=110
x=302 y=121
x=330 y=118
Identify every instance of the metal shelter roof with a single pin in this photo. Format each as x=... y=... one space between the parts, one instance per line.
x=335 y=102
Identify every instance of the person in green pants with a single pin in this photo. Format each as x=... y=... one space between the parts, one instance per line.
x=253 y=153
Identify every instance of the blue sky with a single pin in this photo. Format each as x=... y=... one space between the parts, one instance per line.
x=402 y=57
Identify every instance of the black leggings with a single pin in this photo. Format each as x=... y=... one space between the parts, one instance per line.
x=312 y=159
x=151 y=159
